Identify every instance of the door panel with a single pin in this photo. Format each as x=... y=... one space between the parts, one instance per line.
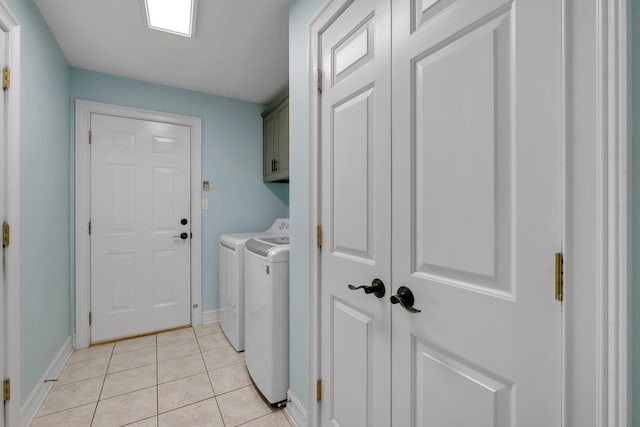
x=462 y=161
x=351 y=393
x=140 y=277
x=352 y=180
x=476 y=212
x=355 y=150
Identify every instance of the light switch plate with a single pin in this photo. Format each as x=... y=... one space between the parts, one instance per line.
x=205 y=204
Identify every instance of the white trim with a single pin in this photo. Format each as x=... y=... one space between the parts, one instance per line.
x=212 y=316
x=10 y=25
x=616 y=205
x=38 y=394
x=82 y=198
x=295 y=412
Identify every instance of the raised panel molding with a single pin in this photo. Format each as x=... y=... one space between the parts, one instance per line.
x=164 y=193
x=426 y=10
x=350 y=364
x=352 y=52
x=123 y=189
x=450 y=391
x=352 y=181
x=123 y=281
x=164 y=277
x=463 y=236
x=163 y=146
x=123 y=142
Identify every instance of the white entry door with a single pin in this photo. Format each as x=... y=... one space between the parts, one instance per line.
x=356 y=185
x=140 y=226
x=462 y=202
x=477 y=109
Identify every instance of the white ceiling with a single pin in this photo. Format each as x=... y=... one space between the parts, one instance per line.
x=240 y=48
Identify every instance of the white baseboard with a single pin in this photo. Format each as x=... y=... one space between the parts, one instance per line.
x=212 y=316
x=295 y=411
x=31 y=405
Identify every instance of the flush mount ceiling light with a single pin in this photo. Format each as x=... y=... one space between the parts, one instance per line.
x=172 y=16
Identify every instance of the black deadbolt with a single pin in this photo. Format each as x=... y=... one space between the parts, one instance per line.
x=184 y=221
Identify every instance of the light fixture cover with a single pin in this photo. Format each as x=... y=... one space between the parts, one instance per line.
x=173 y=16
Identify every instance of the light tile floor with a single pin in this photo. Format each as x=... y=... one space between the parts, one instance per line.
x=186 y=378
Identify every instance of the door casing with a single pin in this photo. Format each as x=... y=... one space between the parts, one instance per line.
x=11 y=213
x=599 y=248
x=84 y=109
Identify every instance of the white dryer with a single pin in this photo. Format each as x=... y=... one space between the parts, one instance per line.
x=231 y=268
x=266 y=266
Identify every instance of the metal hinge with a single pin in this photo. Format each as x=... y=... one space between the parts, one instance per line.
x=319 y=236
x=559 y=276
x=6 y=78
x=6 y=390
x=90 y=319
x=89 y=137
x=319 y=80
x=318 y=390
x=6 y=235
x=89 y=227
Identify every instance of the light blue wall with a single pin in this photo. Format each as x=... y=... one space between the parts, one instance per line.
x=231 y=158
x=44 y=204
x=300 y=14
x=634 y=176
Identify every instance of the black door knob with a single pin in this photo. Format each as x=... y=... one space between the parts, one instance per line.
x=184 y=221
x=377 y=288
x=183 y=236
x=405 y=298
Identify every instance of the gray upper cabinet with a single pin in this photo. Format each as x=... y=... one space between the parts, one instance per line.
x=275 y=134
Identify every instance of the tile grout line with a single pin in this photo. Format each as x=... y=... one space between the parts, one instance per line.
x=104 y=379
x=215 y=397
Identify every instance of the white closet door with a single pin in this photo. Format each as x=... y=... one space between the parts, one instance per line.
x=356 y=184
x=140 y=266
x=477 y=212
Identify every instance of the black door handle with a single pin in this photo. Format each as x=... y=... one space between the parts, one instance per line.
x=377 y=288
x=183 y=236
x=405 y=298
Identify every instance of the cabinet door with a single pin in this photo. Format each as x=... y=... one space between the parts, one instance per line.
x=270 y=130
x=282 y=149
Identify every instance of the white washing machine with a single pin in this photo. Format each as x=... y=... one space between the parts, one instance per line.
x=266 y=267
x=231 y=262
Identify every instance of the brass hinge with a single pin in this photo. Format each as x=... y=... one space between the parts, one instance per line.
x=319 y=236
x=6 y=235
x=89 y=227
x=6 y=390
x=319 y=390
x=90 y=319
x=6 y=78
x=319 y=80
x=559 y=277
x=90 y=137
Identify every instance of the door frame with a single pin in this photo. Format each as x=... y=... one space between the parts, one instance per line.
x=84 y=109
x=595 y=96
x=12 y=29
